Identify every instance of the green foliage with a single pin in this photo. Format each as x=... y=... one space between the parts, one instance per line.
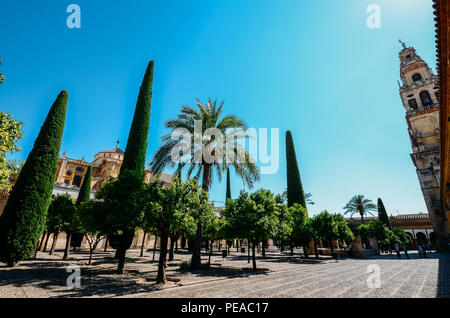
x=10 y=133
x=122 y=198
x=401 y=236
x=253 y=216
x=23 y=219
x=134 y=157
x=302 y=232
x=359 y=204
x=60 y=214
x=85 y=191
x=295 y=193
x=324 y=227
x=92 y=215
x=382 y=214
x=210 y=115
x=344 y=233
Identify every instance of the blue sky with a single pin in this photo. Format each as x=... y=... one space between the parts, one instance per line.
x=312 y=67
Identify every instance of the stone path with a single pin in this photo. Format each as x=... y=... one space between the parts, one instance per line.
x=286 y=276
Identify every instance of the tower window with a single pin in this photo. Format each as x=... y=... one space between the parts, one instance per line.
x=425 y=98
x=413 y=103
x=79 y=169
x=416 y=77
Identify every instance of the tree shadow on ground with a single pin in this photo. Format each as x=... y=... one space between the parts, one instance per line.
x=95 y=281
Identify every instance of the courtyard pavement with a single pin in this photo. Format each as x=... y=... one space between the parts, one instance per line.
x=281 y=275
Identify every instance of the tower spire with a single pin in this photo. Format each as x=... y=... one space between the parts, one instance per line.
x=402 y=43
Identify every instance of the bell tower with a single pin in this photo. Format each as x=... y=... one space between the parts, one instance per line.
x=419 y=94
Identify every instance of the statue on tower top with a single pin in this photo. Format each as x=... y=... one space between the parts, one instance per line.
x=402 y=43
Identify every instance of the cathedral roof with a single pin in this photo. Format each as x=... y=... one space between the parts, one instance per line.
x=115 y=150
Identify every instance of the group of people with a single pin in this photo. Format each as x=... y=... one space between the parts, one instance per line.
x=422 y=249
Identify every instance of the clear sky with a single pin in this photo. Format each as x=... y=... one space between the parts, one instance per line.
x=312 y=67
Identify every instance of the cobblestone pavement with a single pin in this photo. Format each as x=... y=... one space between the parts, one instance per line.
x=416 y=277
x=285 y=276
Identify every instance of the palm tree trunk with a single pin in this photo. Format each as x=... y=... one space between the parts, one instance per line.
x=362 y=218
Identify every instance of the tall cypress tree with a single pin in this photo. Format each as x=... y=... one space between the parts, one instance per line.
x=295 y=192
x=228 y=186
x=85 y=191
x=134 y=157
x=382 y=214
x=83 y=196
x=23 y=219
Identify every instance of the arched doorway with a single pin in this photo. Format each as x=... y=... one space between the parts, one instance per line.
x=421 y=238
x=433 y=240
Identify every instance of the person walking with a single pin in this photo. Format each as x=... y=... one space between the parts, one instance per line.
x=429 y=248
x=420 y=248
x=405 y=249
x=397 y=250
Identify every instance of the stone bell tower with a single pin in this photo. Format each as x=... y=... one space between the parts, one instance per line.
x=418 y=91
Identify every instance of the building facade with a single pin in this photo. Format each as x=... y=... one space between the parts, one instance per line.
x=106 y=165
x=419 y=92
x=417 y=225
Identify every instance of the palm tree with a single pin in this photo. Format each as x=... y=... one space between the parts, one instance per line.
x=361 y=205
x=209 y=115
x=14 y=167
x=308 y=198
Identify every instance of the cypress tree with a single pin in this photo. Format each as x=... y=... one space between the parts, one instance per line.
x=85 y=191
x=228 y=186
x=83 y=196
x=23 y=219
x=295 y=192
x=135 y=151
x=382 y=215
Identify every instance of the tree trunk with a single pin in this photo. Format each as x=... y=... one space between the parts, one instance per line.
x=121 y=253
x=315 y=248
x=292 y=247
x=143 y=243
x=106 y=244
x=172 y=244
x=306 y=251
x=46 y=242
x=55 y=239
x=248 y=251
x=67 y=249
x=264 y=244
x=176 y=245
x=210 y=253
x=254 y=255
x=42 y=241
x=154 y=249
x=161 y=278
x=196 y=252
x=125 y=241
x=183 y=242
x=362 y=218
